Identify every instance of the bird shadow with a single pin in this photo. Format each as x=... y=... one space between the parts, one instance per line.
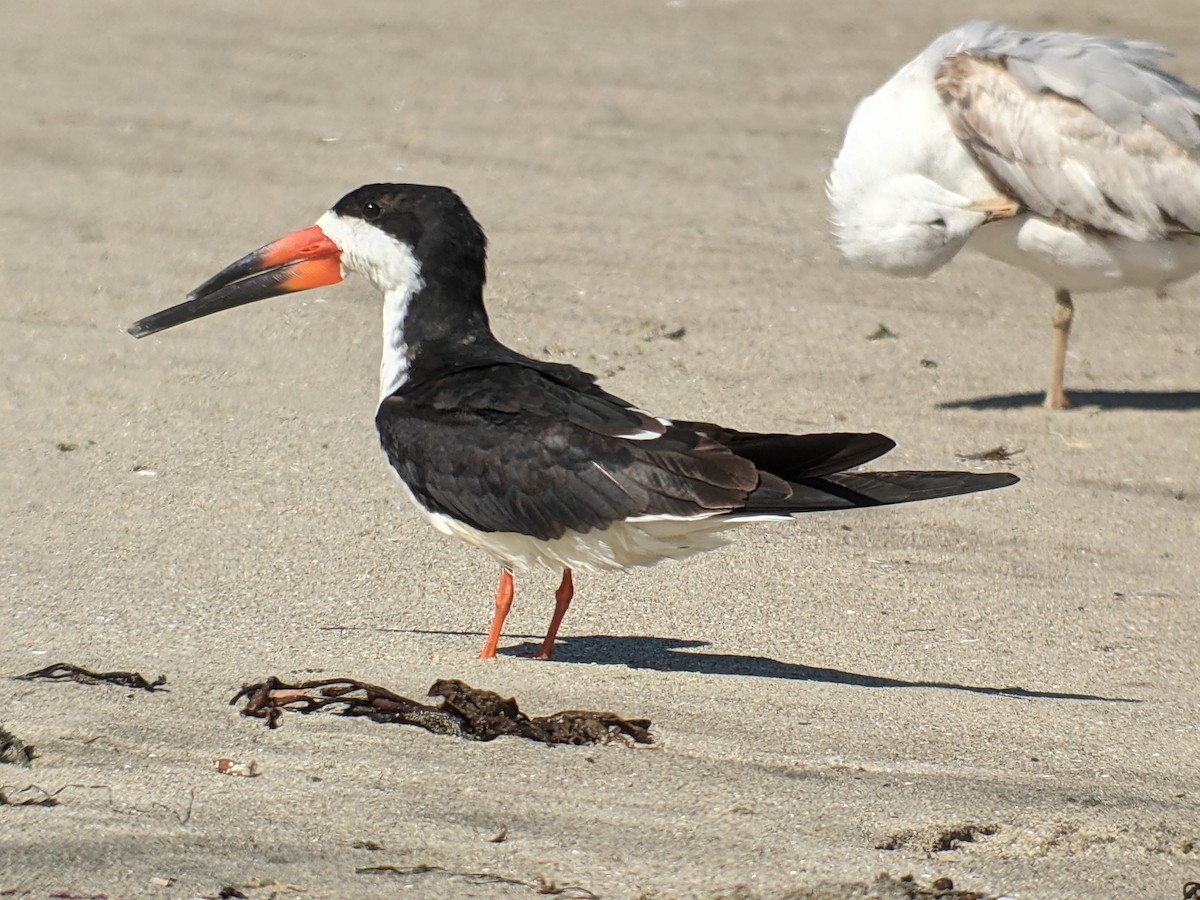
x=1160 y=401
x=672 y=655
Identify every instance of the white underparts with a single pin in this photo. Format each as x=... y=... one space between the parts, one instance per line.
x=642 y=541
x=621 y=545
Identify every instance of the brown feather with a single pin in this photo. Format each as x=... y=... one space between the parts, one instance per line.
x=1059 y=159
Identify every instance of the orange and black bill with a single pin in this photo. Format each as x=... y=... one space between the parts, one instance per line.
x=303 y=260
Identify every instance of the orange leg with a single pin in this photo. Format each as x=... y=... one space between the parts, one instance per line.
x=562 y=600
x=504 y=598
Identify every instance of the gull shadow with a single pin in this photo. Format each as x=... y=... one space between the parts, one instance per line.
x=671 y=655
x=1157 y=401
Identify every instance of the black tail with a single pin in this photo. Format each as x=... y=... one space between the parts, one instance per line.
x=807 y=473
x=850 y=490
x=795 y=457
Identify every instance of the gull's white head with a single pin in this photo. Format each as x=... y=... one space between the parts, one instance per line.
x=907 y=225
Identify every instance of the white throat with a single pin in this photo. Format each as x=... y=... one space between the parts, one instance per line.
x=391 y=266
x=393 y=368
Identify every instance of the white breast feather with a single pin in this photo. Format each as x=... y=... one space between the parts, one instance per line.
x=642 y=541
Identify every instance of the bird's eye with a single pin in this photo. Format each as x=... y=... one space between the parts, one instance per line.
x=939 y=222
x=372 y=211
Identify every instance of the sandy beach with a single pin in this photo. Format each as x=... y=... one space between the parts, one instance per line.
x=999 y=689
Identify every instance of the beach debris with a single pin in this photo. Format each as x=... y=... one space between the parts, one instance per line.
x=937 y=838
x=15 y=751
x=540 y=885
x=274 y=884
x=465 y=712
x=158 y=881
x=486 y=712
x=268 y=700
x=995 y=454
x=500 y=836
x=71 y=672
x=543 y=885
x=903 y=887
x=44 y=798
x=9 y=796
x=182 y=817
x=652 y=330
x=882 y=333
x=238 y=890
x=661 y=331
x=227 y=766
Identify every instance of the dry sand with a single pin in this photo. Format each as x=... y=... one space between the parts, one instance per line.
x=209 y=504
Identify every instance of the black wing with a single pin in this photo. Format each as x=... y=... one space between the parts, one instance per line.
x=515 y=448
x=506 y=448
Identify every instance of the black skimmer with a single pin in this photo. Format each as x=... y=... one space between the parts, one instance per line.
x=532 y=461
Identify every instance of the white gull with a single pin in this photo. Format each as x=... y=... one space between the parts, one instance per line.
x=1073 y=157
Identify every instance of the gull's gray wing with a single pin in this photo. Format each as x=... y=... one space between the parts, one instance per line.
x=1087 y=131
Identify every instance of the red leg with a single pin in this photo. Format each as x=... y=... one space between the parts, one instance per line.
x=562 y=600
x=504 y=598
